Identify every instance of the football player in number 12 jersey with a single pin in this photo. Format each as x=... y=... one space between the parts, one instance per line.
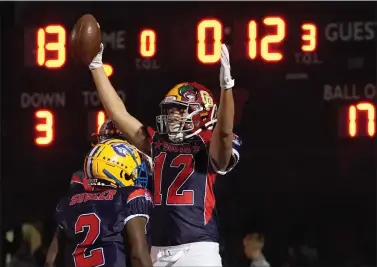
x=192 y=143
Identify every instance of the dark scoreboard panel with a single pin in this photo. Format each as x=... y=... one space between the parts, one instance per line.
x=305 y=76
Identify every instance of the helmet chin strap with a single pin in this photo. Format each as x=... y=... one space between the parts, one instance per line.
x=176 y=138
x=180 y=136
x=208 y=125
x=98 y=183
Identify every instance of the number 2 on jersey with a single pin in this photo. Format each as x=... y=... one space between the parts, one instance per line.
x=95 y=257
x=186 y=162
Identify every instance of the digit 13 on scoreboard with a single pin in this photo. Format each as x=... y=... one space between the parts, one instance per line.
x=45 y=126
x=52 y=54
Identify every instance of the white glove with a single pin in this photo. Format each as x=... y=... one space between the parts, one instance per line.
x=226 y=81
x=97 y=60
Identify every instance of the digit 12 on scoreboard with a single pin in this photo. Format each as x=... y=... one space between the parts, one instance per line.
x=50 y=50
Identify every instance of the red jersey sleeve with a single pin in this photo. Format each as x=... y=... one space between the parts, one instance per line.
x=151 y=132
x=78 y=178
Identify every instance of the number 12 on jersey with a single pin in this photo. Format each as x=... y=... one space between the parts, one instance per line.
x=173 y=197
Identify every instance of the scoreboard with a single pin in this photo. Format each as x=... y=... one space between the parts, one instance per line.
x=305 y=75
x=358 y=118
x=52 y=53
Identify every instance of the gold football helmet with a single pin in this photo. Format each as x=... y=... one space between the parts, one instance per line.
x=115 y=163
x=197 y=110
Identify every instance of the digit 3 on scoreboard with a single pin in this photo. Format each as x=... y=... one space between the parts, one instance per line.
x=51 y=40
x=355 y=120
x=45 y=121
x=262 y=40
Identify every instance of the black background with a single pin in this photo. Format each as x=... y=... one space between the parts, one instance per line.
x=295 y=169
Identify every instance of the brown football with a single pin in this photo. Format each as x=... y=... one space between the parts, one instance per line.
x=85 y=39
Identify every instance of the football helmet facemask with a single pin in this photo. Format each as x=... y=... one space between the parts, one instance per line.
x=187 y=109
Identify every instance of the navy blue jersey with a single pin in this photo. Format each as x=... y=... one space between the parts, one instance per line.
x=184 y=198
x=94 y=221
x=79 y=181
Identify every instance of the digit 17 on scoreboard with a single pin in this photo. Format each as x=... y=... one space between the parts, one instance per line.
x=361 y=119
x=358 y=119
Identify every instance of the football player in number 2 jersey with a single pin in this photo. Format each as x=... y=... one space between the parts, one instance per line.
x=192 y=143
x=107 y=225
x=80 y=182
x=110 y=196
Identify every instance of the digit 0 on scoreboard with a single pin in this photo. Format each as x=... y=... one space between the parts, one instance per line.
x=44 y=127
x=147 y=46
x=51 y=50
x=208 y=52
